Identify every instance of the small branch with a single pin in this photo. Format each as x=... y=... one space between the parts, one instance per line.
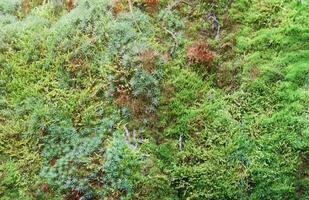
x=134 y=139
x=216 y=23
x=131 y=140
x=173 y=36
x=130 y=6
x=131 y=11
x=127 y=133
x=180 y=143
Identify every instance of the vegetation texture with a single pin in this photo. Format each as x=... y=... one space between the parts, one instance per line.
x=154 y=99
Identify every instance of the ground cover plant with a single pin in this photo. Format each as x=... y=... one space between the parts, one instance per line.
x=154 y=99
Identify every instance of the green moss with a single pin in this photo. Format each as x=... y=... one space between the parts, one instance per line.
x=96 y=104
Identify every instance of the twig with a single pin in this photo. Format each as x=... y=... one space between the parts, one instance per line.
x=130 y=6
x=131 y=11
x=173 y=36
x=134 y=142
x=180 y=143
x=217 y=23
x=127 y=133
x=134 y=139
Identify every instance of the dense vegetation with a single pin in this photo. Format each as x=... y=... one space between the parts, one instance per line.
x=154 y=99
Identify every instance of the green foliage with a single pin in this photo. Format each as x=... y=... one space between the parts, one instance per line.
x=9 y=6
x=99 y=104
x=9 y=180
x=122 y=168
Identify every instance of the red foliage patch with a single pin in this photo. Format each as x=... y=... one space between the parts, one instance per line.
x=45 y=187
x=152 y=2
x=53 y=162
x=199 y=52
x=117 y=8
x=70 y=4
x=75 y=195
x=152 y=5
x=26 y=6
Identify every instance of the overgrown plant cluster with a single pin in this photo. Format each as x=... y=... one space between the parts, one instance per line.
x=154 y=99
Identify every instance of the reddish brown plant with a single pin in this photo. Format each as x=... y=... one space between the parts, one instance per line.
x=152 y=2
x=118 y=7
x=45 y=187
x=53 y=162
x=122 y=96
x=199 y=52
x=26 y=6
x=152 y=5
x=70 y=4
x=75 y=195
x=148 y=60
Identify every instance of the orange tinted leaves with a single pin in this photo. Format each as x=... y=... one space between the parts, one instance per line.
x=200 y=53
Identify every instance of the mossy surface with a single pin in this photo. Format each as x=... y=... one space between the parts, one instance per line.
x=147 y=99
